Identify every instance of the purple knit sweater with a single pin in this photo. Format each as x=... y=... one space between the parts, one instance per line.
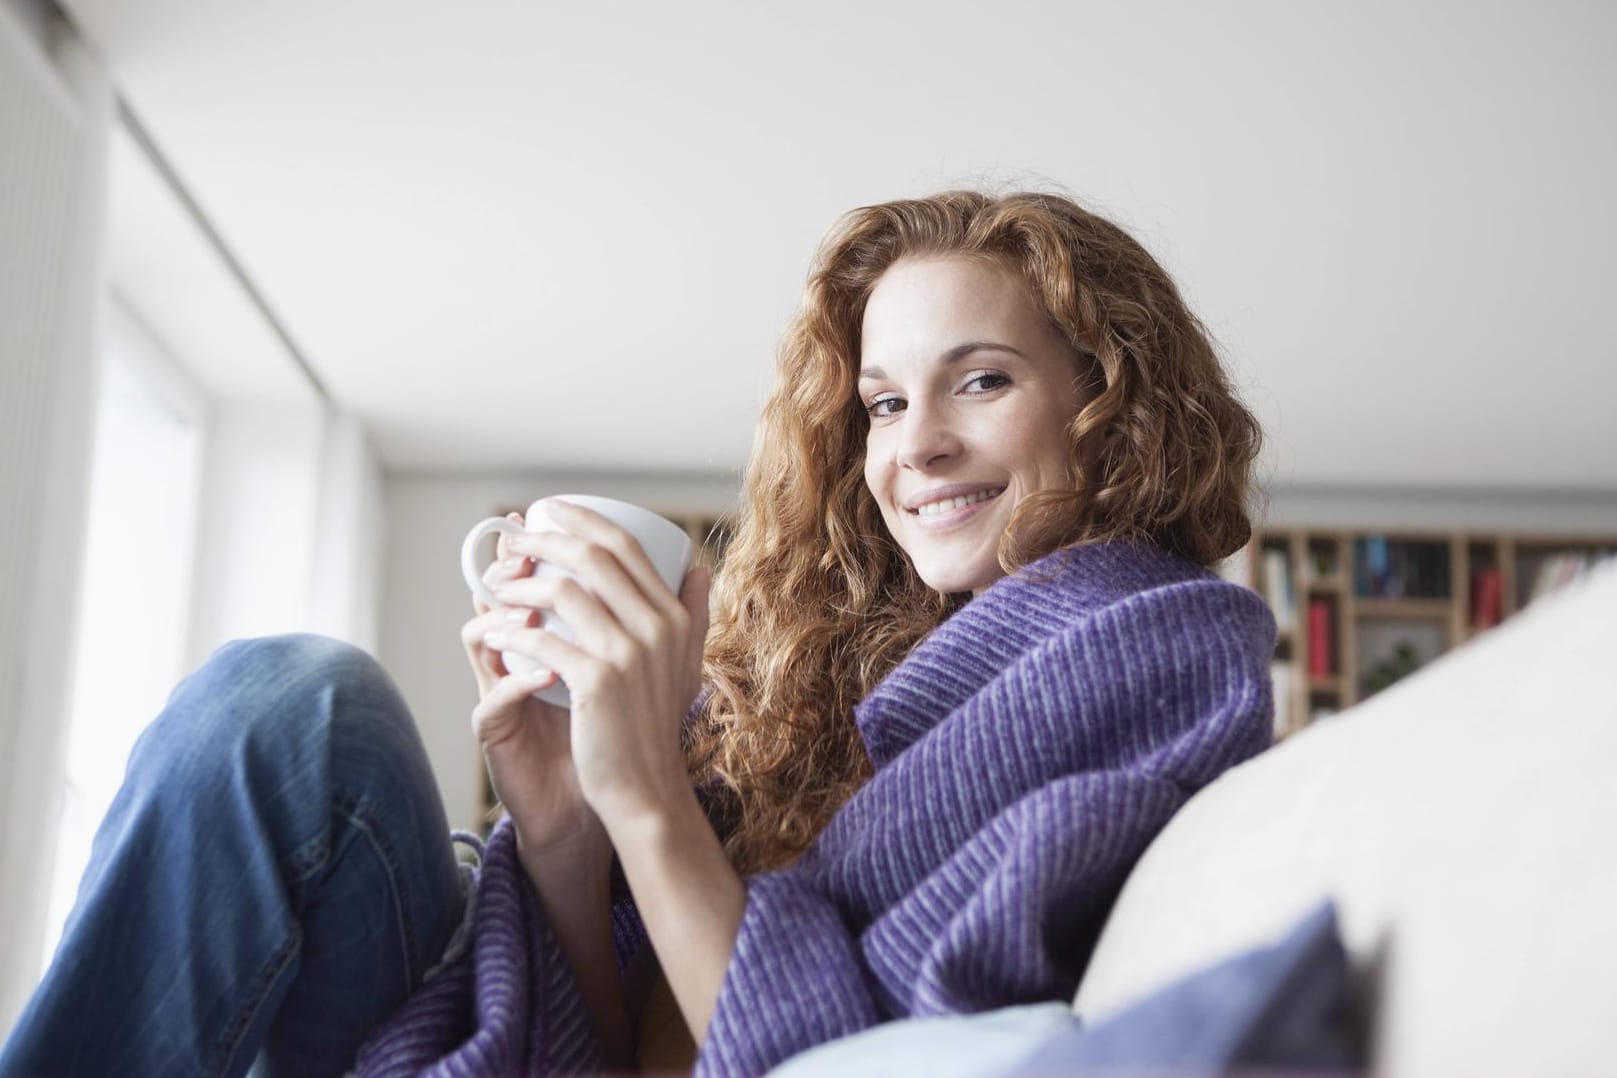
x=1026 y=753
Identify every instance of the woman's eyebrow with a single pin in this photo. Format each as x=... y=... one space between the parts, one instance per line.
x=953 y=355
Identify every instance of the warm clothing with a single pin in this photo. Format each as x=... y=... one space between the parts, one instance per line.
x=1026 y=753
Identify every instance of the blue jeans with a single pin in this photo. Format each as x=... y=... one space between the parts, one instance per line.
x=274 y=878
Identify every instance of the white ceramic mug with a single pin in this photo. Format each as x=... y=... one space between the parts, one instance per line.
x=664 y=542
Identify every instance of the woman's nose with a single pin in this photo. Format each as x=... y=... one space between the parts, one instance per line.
x=927 y=439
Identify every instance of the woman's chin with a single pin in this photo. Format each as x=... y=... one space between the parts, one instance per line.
x=953 y=580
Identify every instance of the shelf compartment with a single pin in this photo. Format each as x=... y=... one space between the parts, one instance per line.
x=1323 y=566
x=1546 y=566
x=1402 y=567
x=1389 y=649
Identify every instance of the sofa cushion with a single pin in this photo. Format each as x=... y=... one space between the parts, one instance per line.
x=1285 y=1007
x=1463 y=820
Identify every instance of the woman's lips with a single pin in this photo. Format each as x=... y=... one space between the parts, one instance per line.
x=952 y=518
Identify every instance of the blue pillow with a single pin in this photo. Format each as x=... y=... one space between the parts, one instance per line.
x=1286 y=1005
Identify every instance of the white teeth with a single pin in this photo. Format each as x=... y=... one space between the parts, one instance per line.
x=949 y=505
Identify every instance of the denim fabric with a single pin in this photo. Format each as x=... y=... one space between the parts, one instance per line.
x=273 y=878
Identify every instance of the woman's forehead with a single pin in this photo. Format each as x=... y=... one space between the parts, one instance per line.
x=922 y=309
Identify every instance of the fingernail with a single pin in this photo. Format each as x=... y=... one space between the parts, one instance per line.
x=494 y=638
x=512 y=565
x=538 y=673
x=518 y=615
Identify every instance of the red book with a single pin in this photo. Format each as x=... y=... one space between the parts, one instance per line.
x=1319 y=638
x=1487 y=598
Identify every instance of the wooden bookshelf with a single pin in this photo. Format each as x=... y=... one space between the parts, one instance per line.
x=1357 y=609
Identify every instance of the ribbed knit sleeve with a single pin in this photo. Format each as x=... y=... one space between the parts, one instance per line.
x=796 y=979
x=977 y=867
x=510 y=1006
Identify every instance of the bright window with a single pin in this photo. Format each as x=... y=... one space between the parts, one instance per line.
x=135 y=600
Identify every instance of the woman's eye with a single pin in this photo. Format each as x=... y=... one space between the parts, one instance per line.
x=988 y=381
x=878 y=407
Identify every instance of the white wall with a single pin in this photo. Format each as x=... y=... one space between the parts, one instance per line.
x=346 y=570
x=1551 y=512
x=31 y=19
x=424 y=601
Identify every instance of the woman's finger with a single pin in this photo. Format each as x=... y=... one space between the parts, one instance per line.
x=602 y=575
x=500 y=702
x=593 y=624
x=577 y=667
x=589 y=525
x=471 y=633
x=503 y=567
x=486 y=662
x=502 y=538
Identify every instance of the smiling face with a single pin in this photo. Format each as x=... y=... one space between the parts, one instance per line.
x=969 y=389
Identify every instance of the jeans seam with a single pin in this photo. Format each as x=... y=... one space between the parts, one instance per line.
x=307 y=859
x=229 y=1040
x=304 y=863
x=354 y=810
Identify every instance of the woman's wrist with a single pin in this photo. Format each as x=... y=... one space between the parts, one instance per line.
x=649 y=823
x=650 y=802
x=689 y=896
x=574 y=854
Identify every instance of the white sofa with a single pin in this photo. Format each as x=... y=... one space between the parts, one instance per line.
x=1465 y=821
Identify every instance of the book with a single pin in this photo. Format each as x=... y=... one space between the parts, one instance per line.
x=1277 y=588
x=1321 y=645
x=1487 y=598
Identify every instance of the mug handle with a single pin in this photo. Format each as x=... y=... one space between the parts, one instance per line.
x=468 y=554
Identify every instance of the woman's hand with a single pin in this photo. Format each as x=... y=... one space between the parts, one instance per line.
x=564 y=850
x=632 y=675
x=526 y=742
x=636 y=666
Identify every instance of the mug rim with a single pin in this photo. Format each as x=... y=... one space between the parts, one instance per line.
x=602 y=498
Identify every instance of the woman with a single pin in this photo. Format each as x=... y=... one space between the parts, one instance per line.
x=966 y=659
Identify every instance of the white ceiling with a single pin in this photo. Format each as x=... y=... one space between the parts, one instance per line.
x=517 y=234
